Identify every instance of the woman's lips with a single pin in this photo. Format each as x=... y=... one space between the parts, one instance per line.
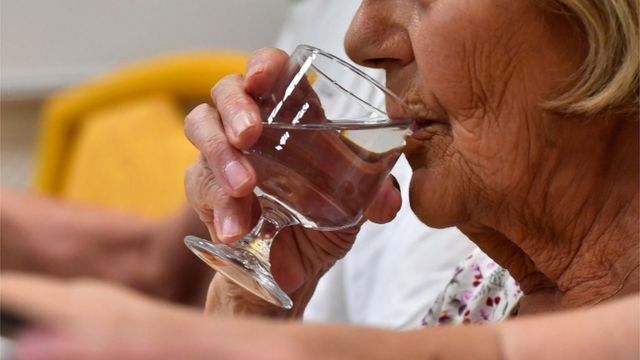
x=427 y=143
x=425 y=128
x=422 y=123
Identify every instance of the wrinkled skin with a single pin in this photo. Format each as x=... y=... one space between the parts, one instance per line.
x=220 y=188
x=534 y=188
x=553 y=198
x=531 y=187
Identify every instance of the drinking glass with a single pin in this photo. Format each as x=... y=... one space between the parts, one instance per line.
x=325 y=149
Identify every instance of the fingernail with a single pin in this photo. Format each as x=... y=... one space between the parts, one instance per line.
x=390 y=198
x=396 y=184
x=228 y=226
x=237 y=175
x=241 y=122
x=254 y=68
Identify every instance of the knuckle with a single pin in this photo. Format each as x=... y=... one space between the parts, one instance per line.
x=201 y=186
x=225 y=85
x=215 y=148
x=190 y=128
x=196 y=118
x=192 y=178
x=232 y=102
x=212 y=193
x=260 y=52
x=267 y=53
x=193 y=169
x=200 y=112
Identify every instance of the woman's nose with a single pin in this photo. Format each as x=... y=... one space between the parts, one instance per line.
x=376 y=38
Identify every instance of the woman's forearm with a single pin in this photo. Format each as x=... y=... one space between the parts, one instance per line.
x=346 y=342
x=608 y=331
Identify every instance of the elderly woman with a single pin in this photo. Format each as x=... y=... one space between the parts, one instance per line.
x=529 y=146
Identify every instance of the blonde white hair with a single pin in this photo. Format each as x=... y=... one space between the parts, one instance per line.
x=608 y=79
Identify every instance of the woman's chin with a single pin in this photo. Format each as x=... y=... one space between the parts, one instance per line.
x=433 y=199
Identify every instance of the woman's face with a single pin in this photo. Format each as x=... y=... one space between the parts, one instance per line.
x=479 y=71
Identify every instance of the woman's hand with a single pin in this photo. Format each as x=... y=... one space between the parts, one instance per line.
x=220 y=186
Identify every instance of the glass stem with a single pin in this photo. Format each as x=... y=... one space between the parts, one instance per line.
x=258 y=240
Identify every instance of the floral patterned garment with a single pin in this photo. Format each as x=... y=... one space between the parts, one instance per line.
x=480 y=291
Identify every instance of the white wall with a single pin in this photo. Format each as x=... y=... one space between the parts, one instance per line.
x=45 y=44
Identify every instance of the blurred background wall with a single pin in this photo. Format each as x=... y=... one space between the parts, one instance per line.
x=47 y=45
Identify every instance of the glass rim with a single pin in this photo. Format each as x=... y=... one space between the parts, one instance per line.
x=343 y=125
x=360 y=73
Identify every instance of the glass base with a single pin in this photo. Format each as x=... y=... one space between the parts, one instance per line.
x=241 y=267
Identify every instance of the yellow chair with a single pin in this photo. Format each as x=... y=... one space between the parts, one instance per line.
x=118 y=141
